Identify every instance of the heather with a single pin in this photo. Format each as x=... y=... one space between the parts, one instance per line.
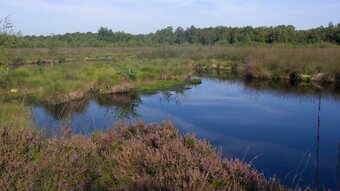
x=128 y=157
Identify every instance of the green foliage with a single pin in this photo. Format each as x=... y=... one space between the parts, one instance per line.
x=3 y=73
x=52 y=46
x=6 y=42
x=221 y=35
x=127 y=70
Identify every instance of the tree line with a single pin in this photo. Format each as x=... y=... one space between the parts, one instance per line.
x=220 y=35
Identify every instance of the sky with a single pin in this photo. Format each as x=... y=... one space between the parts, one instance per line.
x=43 y=17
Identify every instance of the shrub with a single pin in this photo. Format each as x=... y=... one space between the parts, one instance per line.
x=127 y=70
x=129 y=157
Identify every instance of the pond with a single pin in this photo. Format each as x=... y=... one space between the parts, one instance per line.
x=291 y=132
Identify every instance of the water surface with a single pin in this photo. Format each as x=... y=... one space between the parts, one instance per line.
x=279 y=128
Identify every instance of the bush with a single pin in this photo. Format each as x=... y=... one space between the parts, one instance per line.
x=127 y=70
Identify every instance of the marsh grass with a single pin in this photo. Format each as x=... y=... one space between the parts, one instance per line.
x=150 y=68
x=302 y=59
x=15 y=116
x=62 y=80
x=308 y=60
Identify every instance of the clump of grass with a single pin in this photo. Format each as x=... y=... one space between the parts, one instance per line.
x=127 y=70
x=195 y=81
x=157 y=85
x=129 y=157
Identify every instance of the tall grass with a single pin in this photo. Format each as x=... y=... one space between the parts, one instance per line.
x=60 y=81
x=149 y=68
x=15 y=116
x=307 y=60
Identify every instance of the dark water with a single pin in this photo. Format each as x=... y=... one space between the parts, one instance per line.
x=277 y=127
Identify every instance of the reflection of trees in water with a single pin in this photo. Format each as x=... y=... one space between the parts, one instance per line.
x=301 y=92
x=317 y=168
x=122 y=106
x=281 y=88
x=317 y=148
x=177 y=97
x=64 y=111
x=286 y=89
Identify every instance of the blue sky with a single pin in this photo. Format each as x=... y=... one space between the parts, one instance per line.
x=144 y=16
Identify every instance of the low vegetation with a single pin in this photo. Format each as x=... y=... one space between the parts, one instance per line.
x=15 y=116
x=118 y=70
x=71 y=81
x=195 y=81
x=129 y=157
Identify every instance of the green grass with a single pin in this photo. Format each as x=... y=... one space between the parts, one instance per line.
x=158 y=85
x=47 y=82
x=15 y=115
x=151 y=68
x=195 y=81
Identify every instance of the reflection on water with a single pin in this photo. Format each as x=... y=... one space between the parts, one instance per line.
x=65 y=110
x=123 y=106
x=317 y=148
x=288 y=131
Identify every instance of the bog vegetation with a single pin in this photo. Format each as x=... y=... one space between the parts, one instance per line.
x=62 y=68
x=81 y=71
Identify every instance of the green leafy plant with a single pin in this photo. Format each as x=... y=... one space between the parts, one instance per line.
x=52 y=47
x=127 y=70
x=6 y=42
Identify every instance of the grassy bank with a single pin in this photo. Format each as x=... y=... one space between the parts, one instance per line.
x=80 y=71
x=71 y=81
x=262 y=62
x=129 y=157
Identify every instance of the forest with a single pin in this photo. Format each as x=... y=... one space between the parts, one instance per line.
x=220 y=35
